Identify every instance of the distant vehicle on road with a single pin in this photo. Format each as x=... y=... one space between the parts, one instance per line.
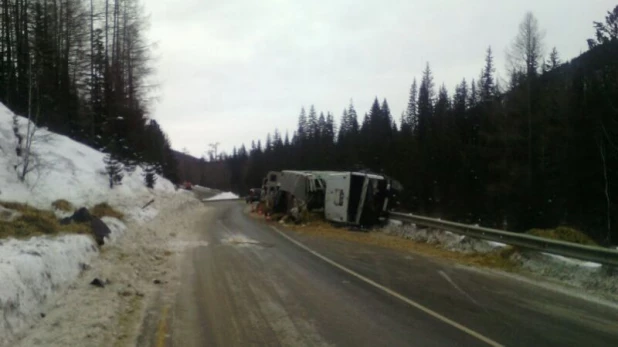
x=254 y=195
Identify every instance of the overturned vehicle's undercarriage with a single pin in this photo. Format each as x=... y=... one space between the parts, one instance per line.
x=352 y=198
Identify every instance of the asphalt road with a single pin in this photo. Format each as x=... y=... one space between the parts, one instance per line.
x=251 y=286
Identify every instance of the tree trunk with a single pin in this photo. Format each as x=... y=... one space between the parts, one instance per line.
x=601 y=145
x=92 y=78
x=9 y=57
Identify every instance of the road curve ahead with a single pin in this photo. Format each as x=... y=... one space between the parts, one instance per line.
x=255 y=286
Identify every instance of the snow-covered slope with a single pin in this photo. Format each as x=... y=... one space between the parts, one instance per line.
x=31 y=271
x=67 y=170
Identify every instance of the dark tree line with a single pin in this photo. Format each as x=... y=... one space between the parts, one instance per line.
x=539 y=151
x=81 y=68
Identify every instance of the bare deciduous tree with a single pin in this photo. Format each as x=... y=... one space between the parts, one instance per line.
x=29 y=160
x=524 y=58
x=526 y=51
x=602 y=151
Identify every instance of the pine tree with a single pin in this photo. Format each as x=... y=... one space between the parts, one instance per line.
x=406 y=129
x=425 y=103
x=321 y=129
x=150 y=175
x=386 y=121
x=473 y=95
x=386 y=111
x=553 y=62
x=18 y=136
x=460 y=99
x=344 y=129
x=352 y=120
x=269 y=144
x=312 y=124
x=486 y=82
x=113 y=167
x=411 y=116
x=303 y=128
x=443 y=103
x=329 y=134
x=286 y=141
x=606 y=32
x=365 y=127
x=277 y=142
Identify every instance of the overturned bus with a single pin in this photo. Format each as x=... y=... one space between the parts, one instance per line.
x=353 y=198
x=356 y=198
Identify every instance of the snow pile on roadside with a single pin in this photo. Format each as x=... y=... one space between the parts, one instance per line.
x=32 y=270
x=65 y=169
x=445 y=239
x=223 y=196
x=592 y=277
x=136 y=271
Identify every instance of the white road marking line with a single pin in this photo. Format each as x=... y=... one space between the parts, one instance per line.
x=449 y=280
x=391 y=292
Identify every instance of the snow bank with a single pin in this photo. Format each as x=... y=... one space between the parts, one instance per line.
x=572 y=261
x=446 y=239
x=223 y=196
x=30 y=271
x=67 y=170
x=592 y=277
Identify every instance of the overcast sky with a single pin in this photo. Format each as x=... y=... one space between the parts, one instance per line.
x=232 y=70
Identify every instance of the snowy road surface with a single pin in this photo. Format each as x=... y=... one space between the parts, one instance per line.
x=249 y=285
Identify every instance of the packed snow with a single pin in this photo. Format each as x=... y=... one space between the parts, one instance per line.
x=497 y=244
x=572 y=261
x=223 y=196
x=446 y=239
x=32 y=270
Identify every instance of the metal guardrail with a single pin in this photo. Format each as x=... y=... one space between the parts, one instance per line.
x=224 y=200
x=600 y=255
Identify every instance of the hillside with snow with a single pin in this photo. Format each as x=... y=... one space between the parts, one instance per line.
x=36 y=271
x=65 y=169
